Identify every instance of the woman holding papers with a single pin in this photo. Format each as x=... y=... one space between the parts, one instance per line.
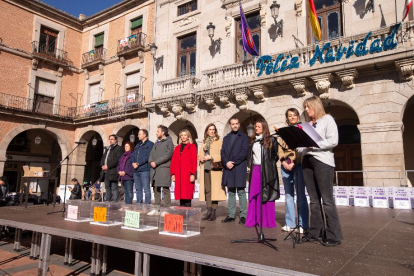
x=292 y=175
x=264 y=179
x=318 y=172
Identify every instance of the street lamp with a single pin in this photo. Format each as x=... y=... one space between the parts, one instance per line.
x=250 y=127
x=132 y=137
x=274 y=9
x=210 y=30
x=94 y=142
x=153 y=49
x=38 y=140
x=158 y=60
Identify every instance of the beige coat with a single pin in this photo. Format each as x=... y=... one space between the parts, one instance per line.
x=218 y=193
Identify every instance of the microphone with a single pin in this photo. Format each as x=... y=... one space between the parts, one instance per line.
x=80 y=143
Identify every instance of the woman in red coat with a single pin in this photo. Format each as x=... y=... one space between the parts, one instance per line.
x=184 y=168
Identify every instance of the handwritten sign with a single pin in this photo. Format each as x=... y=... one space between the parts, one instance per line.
x=401 y=198
x=99 y=214
x=173 y=223
x=379 y=198
x=72 y=212
x=131 y=219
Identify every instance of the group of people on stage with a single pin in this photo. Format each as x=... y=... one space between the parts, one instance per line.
x=224 y=163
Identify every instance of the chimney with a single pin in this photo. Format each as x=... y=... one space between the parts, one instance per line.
x=82 y=16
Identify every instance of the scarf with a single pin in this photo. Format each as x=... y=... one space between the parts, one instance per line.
x=208 y=142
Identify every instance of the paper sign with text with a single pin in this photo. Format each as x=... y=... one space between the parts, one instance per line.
x=73 y=212
x=132 y=219
x=99 y=214
x=173 y=223
x=379 y=197
x=361 y=197
x=341 y=196
x=402 y=198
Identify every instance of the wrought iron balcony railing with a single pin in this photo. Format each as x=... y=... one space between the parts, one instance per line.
x=50 y=53
x=110 y=107
x=93 y=57
x=131 y=43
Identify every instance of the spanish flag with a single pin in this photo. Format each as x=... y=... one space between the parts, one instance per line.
x=313 y=18
x=407 y=7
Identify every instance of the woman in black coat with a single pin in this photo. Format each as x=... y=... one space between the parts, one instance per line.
x=264 y=179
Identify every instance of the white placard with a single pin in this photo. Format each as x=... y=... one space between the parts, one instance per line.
x=402 y=198
x=282 y=194
x=361 y=197
x=72 y=212
x=379 y=197
x=341 y=196
x=412 y=197
x=390 y=195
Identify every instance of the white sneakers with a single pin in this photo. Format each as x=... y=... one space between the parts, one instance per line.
x=286 y=228
x=300 y=230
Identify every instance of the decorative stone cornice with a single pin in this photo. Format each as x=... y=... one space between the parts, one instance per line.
x=86 y=73
x=187 y=20
x=123 y=62
x=260 y=92
x=229 y=22
x=323 y=83
x=301 y=86
x=224 y=98
x=298 y=7
x=348 y=78
x=35 y=63
x=405 y=67
x=60 y=72
x=141 y=56
x=164 y=109
x=210 y=101
x=241 y=97
x=101 y=69
x=177 y=109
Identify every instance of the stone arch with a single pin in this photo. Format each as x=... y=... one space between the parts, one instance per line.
x=408 y=134
x=122 y=128
x=244 y=119
x=98 y=129
x=64 y=143
x=176 y=126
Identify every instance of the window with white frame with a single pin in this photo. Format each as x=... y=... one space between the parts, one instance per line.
x=95 y=94
x=132 y=83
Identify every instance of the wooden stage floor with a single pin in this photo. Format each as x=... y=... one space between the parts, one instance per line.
x=376 y=242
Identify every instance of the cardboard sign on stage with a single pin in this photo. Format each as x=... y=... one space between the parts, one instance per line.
x=402 y=198
x=99 y=214
x=72 y=212
x=173 y=223
x=379 y=197
x=302 y=136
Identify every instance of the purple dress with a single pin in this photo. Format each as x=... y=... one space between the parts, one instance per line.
x=253 y=212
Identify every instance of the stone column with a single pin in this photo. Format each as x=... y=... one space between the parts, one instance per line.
x=382 y=150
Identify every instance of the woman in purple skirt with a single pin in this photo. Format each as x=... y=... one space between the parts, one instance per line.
x=264 y=177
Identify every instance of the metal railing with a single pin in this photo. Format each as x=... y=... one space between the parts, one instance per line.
x=93 y=56
x=132 y=42
x=365 y=174
x=8 y=101
x=112 y=106
x=50 y=53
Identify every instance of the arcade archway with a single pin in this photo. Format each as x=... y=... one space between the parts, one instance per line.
x=408 y=138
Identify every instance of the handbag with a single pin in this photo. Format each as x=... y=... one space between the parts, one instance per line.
x=216 y=166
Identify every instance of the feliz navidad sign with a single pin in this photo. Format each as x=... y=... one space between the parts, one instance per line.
x=326 y=54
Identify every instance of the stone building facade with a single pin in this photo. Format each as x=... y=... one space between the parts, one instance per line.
x=66 y=79
x=368 y=89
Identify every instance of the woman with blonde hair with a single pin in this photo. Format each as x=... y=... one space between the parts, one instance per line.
x=184 y=168
x=211 y=190
x=318 y=172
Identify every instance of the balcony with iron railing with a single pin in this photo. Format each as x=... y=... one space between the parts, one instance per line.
x=50 y=54
x=238 y=74
x=131 y=44
x=111 y=107
x=93 y=57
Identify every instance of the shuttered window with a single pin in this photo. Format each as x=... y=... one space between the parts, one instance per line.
x=133 y=79
x=94 y=93
x=45 y=87
x=136 y=23
x=99 y=40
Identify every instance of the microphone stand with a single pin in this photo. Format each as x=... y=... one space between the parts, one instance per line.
x=66 y=183
x=260 y=235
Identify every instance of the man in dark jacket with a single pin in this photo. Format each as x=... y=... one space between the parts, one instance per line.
x=76 y=190
x=160 y=161
x=109 y=163
x=234 y=157
x=141 y=166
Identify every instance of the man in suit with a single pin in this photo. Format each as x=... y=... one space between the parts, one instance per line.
x=234 y=157
x=109 y=163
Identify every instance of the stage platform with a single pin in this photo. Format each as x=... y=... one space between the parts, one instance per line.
x=376 y=242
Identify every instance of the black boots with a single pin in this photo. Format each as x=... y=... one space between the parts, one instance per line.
x=213 y=215
x=208 y=214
